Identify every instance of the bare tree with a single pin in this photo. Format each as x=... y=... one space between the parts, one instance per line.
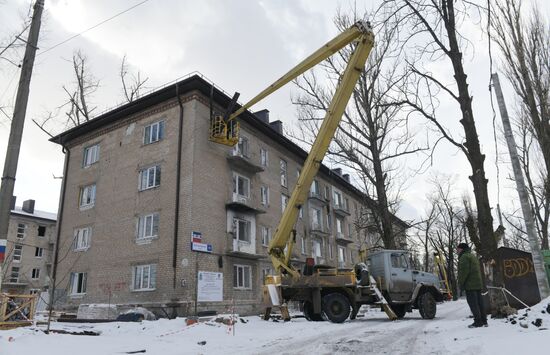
x=77 y=108
x=372 y=136
x=429 y=29
x=524 y=43
x=132 y=83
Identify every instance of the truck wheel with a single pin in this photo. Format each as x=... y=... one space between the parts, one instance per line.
x=309 y=315
x=427 y=305
x=336 y=307
x=399 y=310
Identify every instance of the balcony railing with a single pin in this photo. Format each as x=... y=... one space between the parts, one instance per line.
x=240 y=160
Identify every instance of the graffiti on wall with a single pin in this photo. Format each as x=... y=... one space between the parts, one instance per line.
x=518 y=267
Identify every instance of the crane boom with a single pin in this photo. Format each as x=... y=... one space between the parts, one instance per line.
x=225 y=131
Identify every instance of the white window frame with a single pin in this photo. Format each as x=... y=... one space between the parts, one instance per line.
x=38 y=252
x=35 y=273
x=303 y=245
x=17 y=256
x=147 y=226
x=78 y=283
x=21 y=230
x=317 y=248
x=81 y=238
x=284 y=202
x=153 y=132
x=240 y=278
x=264 y=157
x=314 y=189
x=266 y=235
x=237 y=227
x=87 y=196
x=242 y=148
x=264 y=195
x=340 y=226
x=341 y=254
x=338 y=198
x=330 y=251
x=236 y=187
x=90 y=155
x=149 y=177
x=316 y=218
x=284 y=172
x=15 y=270
x=144 y=277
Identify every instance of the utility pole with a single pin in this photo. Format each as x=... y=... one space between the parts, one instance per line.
x=542 y=281
x=17 y=123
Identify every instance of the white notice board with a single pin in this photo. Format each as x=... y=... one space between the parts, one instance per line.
x=210 y=286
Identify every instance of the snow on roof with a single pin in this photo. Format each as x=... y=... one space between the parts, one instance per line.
x=37 y=214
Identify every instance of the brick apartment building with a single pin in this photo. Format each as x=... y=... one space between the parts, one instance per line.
x=29 y=249
x=144 y=177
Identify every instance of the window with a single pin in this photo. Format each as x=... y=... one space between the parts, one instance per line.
x=242 y=147
x=399 y=261
x=148 y=226
x=241 y=185
x=242 y=277
x=284 y=202
x=283 y=173
x=350 y=231
x=329 y=221
x=81 y=239
x=35 y=274
x=330 y=251
x=327 y=192
x=38 y=252
x=316 y=248
x=340 y=227
x=14 y=276
x=264 y=195
x=242 y=230
x=91 y=155
x=266 y=235
x=346 y=203
x=153 y=132
x=314 y=190
x=316 y=219
x=338 y=199
x=341 y=254
x=264 y=157
x=78 y=283
x=303 y=245
x=87 y=196
x=149 y=177
x=17 y=251
x=145 y=277
x=41 y=231
x=301 y=212
x=21 y=230
x=35 y=291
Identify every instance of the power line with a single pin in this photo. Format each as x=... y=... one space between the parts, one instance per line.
x=94 y=26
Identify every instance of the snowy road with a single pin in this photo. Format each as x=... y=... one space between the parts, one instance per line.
x=371 y=334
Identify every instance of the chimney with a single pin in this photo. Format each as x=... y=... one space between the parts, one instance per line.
x=28 y=206
x=346 y=177
x=337 y=171
x=12 y=204
x=277 y=126
x=262 y=115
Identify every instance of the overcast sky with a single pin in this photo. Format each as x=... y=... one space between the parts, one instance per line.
x=240 y=45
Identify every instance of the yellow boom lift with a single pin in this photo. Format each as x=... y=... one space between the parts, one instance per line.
x=339 y=288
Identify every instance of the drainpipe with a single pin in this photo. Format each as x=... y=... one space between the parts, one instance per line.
x=178 y=182
x=67 y=153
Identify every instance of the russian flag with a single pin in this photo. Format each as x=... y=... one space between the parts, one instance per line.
x=2 y=249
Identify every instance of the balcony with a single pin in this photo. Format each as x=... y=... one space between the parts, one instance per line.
x=241 y=203
x=238 y=160
x=340 y=237
x=316 y=196
x=317 y=228
x=341 y=210
x=242 y=249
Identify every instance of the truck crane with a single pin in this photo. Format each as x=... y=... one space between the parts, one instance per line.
x=324 y=291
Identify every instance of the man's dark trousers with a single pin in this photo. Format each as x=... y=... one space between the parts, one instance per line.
x=475 y=301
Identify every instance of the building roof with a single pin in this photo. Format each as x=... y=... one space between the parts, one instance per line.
x=197 y=82
x=49 y=216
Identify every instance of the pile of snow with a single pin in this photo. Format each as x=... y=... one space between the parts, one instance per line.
x=147 y=314
x=536 y=317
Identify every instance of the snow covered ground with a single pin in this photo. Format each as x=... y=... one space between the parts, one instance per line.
x=373 y=333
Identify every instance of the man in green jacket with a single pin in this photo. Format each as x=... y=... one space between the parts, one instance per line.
x=469 y=280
